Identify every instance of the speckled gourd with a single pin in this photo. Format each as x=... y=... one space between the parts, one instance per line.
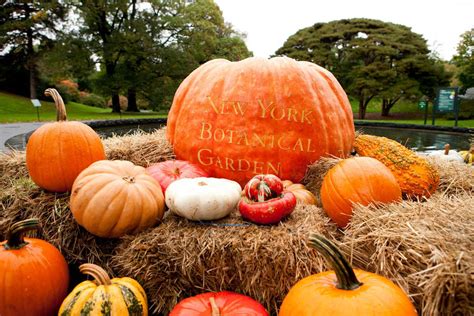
x=415 y=175
x=105 y=296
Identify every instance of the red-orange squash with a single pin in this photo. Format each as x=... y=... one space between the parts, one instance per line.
x=344 y=291
x=34 y=276
x=302 y=194
x=259 y=116
x=114 y=198
x=362 y=180
x=57 y=152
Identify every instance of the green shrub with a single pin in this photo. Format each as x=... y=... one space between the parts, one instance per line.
x=93 y=100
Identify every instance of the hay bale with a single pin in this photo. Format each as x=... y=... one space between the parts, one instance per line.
x=139 y=147
x=454 y=177
x=181 y=258
x=25 y=200
x=425 y=247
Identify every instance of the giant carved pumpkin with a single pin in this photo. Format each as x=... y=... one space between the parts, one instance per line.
x=34 y=276
x=57 y=152
x=239 y=119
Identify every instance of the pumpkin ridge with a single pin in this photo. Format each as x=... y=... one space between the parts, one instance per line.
x=142 y=220
x=97 y=196
x=348 y=120
x=123 y=191
x=60 y=136
x=335 y=191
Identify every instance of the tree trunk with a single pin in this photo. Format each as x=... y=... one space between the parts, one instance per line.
x=132 y=100
x=110 y=70
x=385 y=107
x=31 y=64
x=362 y=108
x=115 y=103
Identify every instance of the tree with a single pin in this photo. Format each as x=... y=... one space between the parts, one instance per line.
x=27 y=26
x=464 y=59
x=370 y=58
x=142 y=45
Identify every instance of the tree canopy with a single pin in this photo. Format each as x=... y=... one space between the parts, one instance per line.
x=139 y=48
x=370 y=58
x=464 y=59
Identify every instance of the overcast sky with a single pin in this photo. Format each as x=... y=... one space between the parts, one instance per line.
x=268 y=23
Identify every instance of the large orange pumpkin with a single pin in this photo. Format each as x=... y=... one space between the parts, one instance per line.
x=114 y=198
x=57 y=152
x=362 y=180
x=34 y=276
x=275 y=116
x=344 y=291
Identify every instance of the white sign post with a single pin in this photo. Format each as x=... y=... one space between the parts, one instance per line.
x=37 y=105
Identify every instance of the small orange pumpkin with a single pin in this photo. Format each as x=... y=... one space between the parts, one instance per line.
x=57 y=152
x=344 y=291
x=114 y=198
x=34 y=276
x=301 y=193
x=362 y=180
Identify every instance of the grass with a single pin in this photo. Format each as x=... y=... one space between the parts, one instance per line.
x=438 y=122
x=15 y=108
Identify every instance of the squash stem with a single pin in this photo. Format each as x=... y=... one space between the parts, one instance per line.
x=100 y=275
x=346 y=278
x=58 y=101
x=15 y=237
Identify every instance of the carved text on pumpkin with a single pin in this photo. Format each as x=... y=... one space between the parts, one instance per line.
x=266 y=110
x=253 y=139
x=207 y=158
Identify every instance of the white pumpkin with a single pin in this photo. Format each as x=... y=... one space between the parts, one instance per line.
x=447 y=154
x=203 y=199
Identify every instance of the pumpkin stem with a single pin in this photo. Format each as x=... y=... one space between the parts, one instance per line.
x=214 y=308
x=15 y=237
x=446 y=149
x=58 y=101
x=100 y=275
x=346 y=278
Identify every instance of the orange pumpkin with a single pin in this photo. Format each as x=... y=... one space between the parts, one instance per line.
x=362 y=180
x=34 y=276
x=259 y=116
x=57 y=152
x=344 y=291
x=114 y=198
x=301 y=193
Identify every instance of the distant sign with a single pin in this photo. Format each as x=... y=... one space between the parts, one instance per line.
x=446 y=100
x=36 y=103
x=422 y=104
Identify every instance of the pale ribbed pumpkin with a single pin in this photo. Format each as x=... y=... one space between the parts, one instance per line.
x=302 y=194
x=57 y=152
x=105 y=296
x=259 y=116
x=114 y=198
x=415 y=175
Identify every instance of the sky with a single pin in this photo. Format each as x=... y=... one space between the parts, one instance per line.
x=269 y=23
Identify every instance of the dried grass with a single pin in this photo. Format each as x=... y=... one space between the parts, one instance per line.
x=181 y=258
x=424 y=246
x=139 y=147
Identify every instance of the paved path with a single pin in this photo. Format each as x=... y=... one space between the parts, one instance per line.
x=9 y=130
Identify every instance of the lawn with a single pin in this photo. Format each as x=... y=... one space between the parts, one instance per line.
x=15 y=108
